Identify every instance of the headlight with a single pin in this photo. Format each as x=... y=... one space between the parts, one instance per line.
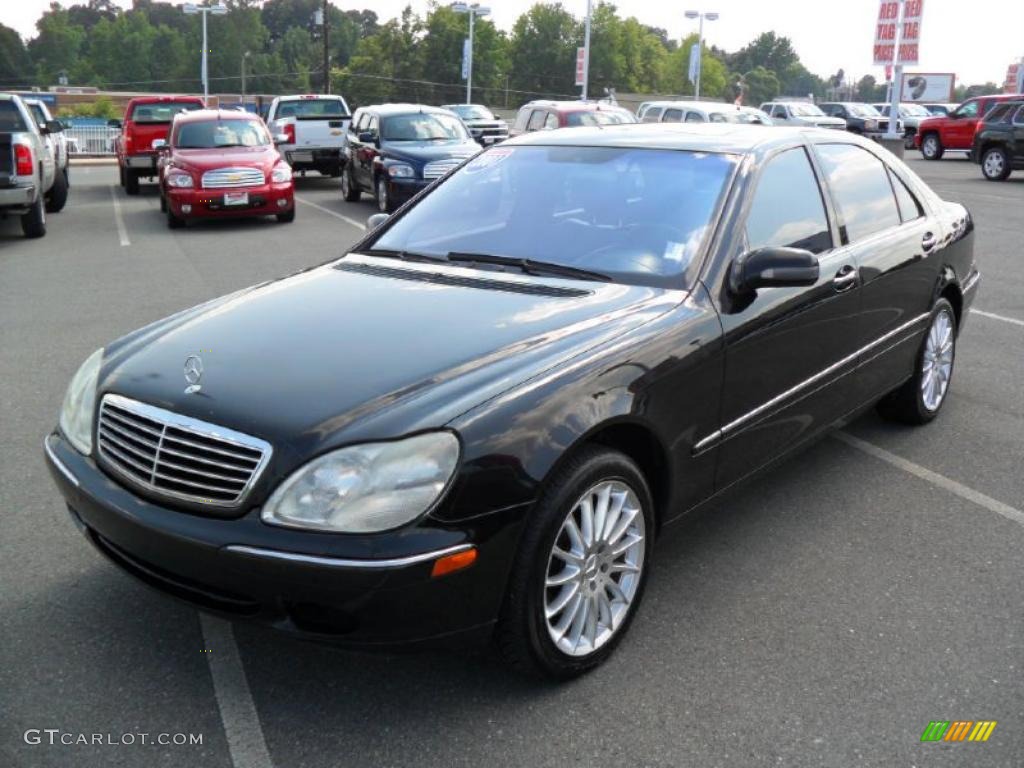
x=80 y=402
x=180 y=180
x=401 y=171
x=366 y=488
x=282 y=172
x=870 y=125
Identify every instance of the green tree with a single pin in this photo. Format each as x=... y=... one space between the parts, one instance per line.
x=56 y=49
x=15 y=62
x=714 y=76
x=542 y=51
x=760 y=85
x=441 y=56
x=386 y=65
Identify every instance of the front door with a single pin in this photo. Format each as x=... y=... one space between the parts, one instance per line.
x=788 y=351
x=1018 y=138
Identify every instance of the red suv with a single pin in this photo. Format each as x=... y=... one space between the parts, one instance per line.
x=222 y=163
x=956 y=130
x=146 y=119
x=548 y=115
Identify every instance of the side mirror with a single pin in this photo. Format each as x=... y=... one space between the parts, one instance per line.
x=159 y=144
x=280 y=138
x=376 y=220
x=113 y=123
x=366 y=137
x=773 y=268
x=53 y=126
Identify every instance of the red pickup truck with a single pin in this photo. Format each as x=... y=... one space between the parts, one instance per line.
x=146 y=119
x=956 y=130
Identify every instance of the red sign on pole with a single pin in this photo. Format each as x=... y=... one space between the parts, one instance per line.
x=885 y=31
x=1012 y=78
x=910 y=37
x=581 y=65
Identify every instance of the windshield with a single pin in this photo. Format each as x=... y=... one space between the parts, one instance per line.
x=423 y=126
x=162 y=112
x=37 y=113
x=914 y=110
x=313 y=109
x=471 y=112
x=10 y=117
x=863 y=110
x=211 y=134
x=599 y=117
x=806 y=110
x=636 y=215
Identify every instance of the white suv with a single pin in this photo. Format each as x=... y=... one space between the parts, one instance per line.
x=801 y=113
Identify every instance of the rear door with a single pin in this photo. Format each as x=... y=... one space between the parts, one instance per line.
x=366 y=151
x=789 y=351
x=1018 y=137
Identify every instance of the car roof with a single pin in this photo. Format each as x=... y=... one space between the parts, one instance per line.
x=199 y=115
x=309 y=96
x=385 y=110
x=724 y=138
x=574 y=106
x=159 y=99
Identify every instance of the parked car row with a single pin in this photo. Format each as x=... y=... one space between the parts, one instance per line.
x=34 y=178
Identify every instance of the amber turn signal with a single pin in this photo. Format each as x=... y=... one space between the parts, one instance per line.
x=451 y=563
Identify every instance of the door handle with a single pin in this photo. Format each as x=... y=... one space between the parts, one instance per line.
x=845 y=279
x=928 y=242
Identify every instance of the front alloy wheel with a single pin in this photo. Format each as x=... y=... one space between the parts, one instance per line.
x=931 y=147
x=383 y=202
x=995 y=165
x=594 y=568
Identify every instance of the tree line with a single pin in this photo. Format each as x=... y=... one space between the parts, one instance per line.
x=154 y=46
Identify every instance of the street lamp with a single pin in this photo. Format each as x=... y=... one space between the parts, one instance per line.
x=710 y=16
x=217 y=10
x=245 y=57
x=473 y=10
x=586 y=54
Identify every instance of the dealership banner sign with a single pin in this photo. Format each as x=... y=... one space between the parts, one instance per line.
x=910 y=31
x=928 y=87
x=898 y=31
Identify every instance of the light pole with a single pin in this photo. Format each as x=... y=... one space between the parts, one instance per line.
x=245 y=56
x=586 y=53
x=473 y=10
x=710 y=16
x=217 y=10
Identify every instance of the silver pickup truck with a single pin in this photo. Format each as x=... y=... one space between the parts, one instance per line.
x=27 y=166
x=57 y=144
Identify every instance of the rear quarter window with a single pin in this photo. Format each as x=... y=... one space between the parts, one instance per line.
x=860 y=185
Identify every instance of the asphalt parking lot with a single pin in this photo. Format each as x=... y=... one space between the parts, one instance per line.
x=822 y=617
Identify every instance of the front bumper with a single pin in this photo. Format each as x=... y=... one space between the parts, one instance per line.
x=264 y=200
x=365 y=591
x=402 y=190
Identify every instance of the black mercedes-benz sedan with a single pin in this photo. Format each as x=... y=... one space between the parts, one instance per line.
x=476 y=422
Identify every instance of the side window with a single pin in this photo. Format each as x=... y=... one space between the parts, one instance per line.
x=787 y=209
x=718 y=117
x=536 y=120
x=550 y=122
x=910 y=208
x=1018 y=119
x=862 y=191
x=374 y=125
x=672 y=116
x=779 y=111
x=1000 y=114
x=970 y=109
x=694 y=117
x=652 y=115
x=521 y=118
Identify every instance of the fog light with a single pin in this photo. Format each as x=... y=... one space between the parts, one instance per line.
x=282 y=203
x=451 y=563
x=186 y=208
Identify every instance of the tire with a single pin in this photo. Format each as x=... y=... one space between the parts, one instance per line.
x=287 y=217
x=913 y=403
x=349 y=189
x=995 y=164
x=121 y=175
x=58 y=196
x=174 y=222
x=383 y=199
x=33 y=223
x=163 y=202
x=931 y=147
x=530 y=616
x=131 y=182
x=908 y=139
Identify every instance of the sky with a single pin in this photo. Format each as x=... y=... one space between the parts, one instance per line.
x=977 y=41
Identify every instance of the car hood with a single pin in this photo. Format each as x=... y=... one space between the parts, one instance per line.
x=426 y=151
x=229 y=157
x=368 y=348
x=826 y=120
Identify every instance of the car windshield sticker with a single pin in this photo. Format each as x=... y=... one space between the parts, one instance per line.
x=486 y=160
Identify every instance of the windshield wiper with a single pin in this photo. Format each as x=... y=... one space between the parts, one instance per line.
x=529 y=266
x=390 y=253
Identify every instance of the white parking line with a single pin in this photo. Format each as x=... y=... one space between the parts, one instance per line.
x=335 y=214
x=958 y=489
x=242 y=728
x=122 y=231
x=998 y=317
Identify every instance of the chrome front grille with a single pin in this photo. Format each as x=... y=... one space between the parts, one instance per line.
x=439 y=168
x=177 y=456
x=230 y=178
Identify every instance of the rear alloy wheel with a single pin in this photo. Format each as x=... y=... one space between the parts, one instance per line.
x=931 y=147
x=349 y=189
x=921 y=398
x=58 y=196
x=33 y=223
x=581 y=567
x=383 y=201
x=995 y=164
